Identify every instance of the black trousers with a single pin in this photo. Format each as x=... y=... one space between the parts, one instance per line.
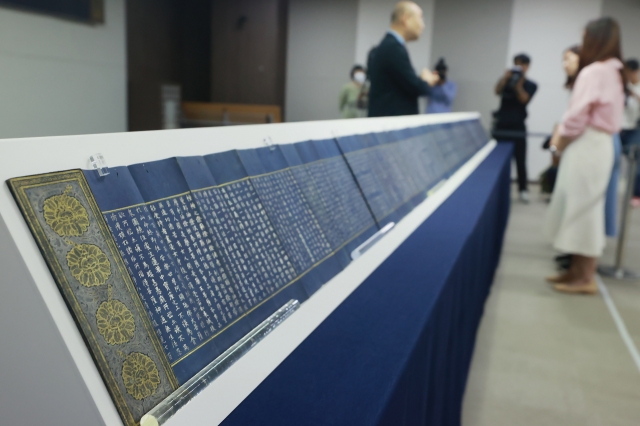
x=502 y=135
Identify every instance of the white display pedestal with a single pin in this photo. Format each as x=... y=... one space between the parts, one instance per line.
x=46 y=371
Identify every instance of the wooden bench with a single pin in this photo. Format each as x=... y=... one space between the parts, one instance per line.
x=205 y=114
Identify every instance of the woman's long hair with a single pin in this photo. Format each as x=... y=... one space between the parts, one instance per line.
x=601 y=41
x=571 y=79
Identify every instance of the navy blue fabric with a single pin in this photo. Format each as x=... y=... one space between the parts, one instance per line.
x=288 y=210
x=210 y=280
x=242 y=265
x=362 y=167
x=194 y=240
x=159 y=179
x=251 y=162
x=271 y=158
x=225 y=166
x=320 y=209
x=114 y=191
x=235 y=246
x=397 y=180
x=395 y=177
x=349 y=144
x=139 y=241
x=196 y=172
x=340 y=192
x=232 y=166
x=397 y=351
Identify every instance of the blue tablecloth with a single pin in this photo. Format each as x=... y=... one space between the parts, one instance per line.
x=397 y=351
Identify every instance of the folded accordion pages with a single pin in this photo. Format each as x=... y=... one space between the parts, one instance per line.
x=167 y=264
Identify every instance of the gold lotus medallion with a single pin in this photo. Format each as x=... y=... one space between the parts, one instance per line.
x=140 y=375
x=66 y=215
x=115 y=322
x=89 y=265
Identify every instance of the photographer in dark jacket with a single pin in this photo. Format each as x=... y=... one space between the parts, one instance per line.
x=516 y=93
x=395 y=87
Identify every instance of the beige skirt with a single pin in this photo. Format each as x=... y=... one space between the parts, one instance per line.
x=575 y=219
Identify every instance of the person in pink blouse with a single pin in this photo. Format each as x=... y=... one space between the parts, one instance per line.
x=584 y=142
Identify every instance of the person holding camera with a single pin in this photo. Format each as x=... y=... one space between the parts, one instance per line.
x=443 y=92
x=515 y=92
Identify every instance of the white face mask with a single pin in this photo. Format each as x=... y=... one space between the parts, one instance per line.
x=360 y=77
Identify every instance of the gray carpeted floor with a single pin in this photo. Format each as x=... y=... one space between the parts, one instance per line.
x=544 y=358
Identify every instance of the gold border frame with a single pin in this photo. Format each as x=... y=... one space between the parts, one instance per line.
x=18 y=187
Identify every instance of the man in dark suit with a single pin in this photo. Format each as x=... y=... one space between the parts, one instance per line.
x=395 y=87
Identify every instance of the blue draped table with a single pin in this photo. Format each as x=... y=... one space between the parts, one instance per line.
x=397 y=351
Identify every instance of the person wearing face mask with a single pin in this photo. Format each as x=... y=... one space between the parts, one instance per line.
x=395 y=87
x=353 y=96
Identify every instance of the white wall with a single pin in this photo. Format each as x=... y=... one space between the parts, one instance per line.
x=627 y=12
x=473 y=37
x=544 y=29
x=320 y=51
x=60 y=77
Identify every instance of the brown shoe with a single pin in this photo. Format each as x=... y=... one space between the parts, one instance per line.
x=591 y=288
x=558 y=279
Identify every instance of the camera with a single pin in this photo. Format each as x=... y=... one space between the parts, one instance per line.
x=516 y=75
x=441 y=70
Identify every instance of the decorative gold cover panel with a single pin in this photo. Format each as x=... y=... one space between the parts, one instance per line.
x=82 y=256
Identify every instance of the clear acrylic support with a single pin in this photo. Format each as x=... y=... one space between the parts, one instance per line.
x=99 y=164
x=268 y=141
x=162 y=412
x=362 y=248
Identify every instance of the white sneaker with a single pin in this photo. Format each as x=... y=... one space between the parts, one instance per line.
x=524 y=197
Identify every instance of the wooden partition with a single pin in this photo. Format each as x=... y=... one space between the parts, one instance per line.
x=205 y=114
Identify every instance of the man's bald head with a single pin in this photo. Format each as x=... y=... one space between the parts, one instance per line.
x=406 y=19
x=403 y=8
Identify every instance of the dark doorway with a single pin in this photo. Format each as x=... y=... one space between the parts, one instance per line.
x=168 y=42
x=248 y=46
x=215 y=50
